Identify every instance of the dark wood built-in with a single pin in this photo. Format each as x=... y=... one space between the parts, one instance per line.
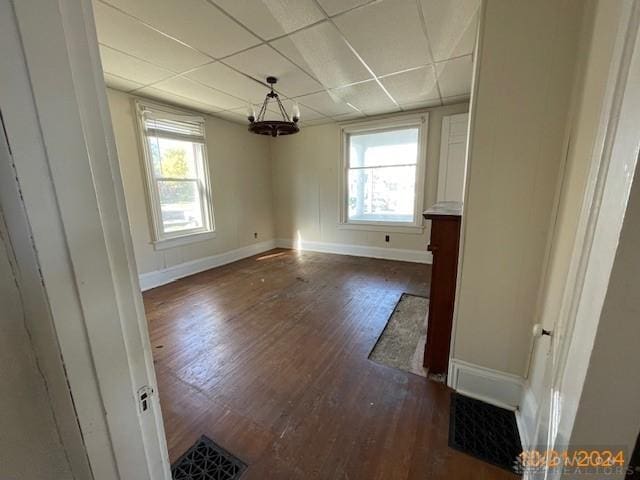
x=268 y=357
x=445 y=241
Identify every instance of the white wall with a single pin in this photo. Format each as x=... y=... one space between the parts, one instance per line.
x=306 y=170
x=591 y=83
x=27 y=420
x=241 y=184
x=521 y=100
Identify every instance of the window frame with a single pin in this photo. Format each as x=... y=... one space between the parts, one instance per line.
x=159 y=238
x=421 y=121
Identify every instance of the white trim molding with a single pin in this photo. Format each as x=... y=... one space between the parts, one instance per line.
x=167 y=275
x=526 y=417
x=408 y=230
x=183 y=240
x=491 y=386
x=202 y=177
x=72 y=197
x=419 y=121
x=386 y=253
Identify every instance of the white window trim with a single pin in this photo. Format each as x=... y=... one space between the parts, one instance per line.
x=181 y=240
x=417 y=226
x=160 y=240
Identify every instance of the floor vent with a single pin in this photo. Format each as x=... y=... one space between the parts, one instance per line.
x=484 y=431
x=207 y=461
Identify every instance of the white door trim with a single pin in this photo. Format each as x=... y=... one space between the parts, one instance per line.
x=603 y=209
x=55 y=108
x=463 y=224
x=613 y=162
x=36 y=315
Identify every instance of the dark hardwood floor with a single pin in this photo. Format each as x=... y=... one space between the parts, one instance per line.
x=268 y=357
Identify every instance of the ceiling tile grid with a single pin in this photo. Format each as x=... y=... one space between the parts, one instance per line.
x=339 y=59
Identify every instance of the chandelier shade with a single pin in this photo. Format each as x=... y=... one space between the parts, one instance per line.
x=286 y=126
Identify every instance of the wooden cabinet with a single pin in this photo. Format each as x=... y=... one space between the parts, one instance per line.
x=445 y=241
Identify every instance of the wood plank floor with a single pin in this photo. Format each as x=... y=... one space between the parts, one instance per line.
x=268 y=357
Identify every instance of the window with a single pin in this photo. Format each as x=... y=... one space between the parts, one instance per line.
x=383 y=174
x=177 y=175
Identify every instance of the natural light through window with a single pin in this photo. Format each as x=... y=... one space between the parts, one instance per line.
x=176 y=166
x=382 y=170
x=177 y=173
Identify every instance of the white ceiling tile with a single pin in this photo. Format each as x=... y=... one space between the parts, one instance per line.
x=195 y=22
x=423 y=104
x=272 y=18
x=194 y=91
x=388 y=35
x=307 y=114
x=367 y=97
x=348 y=116
x=218 y=75
x=414 y=86
x=123 y=33
x=317 y=121
x=454 y=76
x=451 y=25
x=322 y=51
x=131 y=68
x=120 y=83
x=333 y=7
x=263 y=61
x=325 y=103
x=169 y=98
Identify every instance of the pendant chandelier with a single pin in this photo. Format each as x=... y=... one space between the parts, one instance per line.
x=287 y=126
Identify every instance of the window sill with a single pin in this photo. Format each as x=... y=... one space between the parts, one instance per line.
x=183 y=240
x=383 y=227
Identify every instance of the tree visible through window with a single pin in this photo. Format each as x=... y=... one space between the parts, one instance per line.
x=177 y=173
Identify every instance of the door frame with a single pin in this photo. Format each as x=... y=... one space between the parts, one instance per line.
x=68 y=185
x=613 y=165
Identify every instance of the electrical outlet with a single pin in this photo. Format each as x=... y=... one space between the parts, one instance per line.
x=386 y=238
x=255 y=235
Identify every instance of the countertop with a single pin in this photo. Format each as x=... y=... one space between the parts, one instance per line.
x=443 y=209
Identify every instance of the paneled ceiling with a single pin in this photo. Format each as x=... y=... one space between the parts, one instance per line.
x=339 y=59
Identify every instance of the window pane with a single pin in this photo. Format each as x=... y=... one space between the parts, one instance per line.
x=396 y=147
x=180 y=205
x=382 y=194
x=174 y=158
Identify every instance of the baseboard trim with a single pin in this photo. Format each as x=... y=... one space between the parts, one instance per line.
x=526 y=417
x=492 y=386
x=167 y=275
x=405 y=255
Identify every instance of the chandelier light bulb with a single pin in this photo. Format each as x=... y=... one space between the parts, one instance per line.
x=251 y=112
x=296 y=112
